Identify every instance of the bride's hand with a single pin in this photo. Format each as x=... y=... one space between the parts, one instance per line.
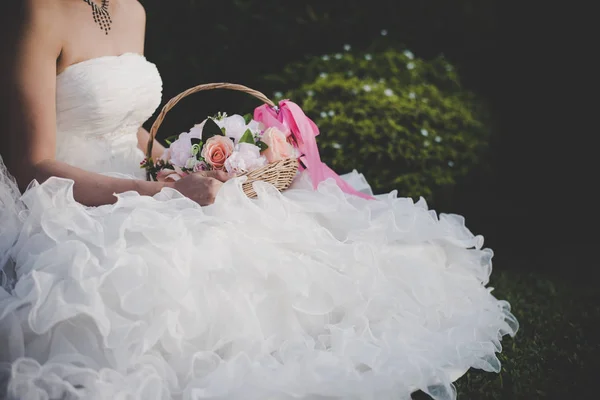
x=202 y=187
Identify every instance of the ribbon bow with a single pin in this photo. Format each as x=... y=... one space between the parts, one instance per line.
x=291 y=119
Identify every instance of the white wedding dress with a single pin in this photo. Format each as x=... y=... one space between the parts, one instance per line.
x=302 y=295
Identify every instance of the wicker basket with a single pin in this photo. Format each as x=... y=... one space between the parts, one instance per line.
x=280 y=174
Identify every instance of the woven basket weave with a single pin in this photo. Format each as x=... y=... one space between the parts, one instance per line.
x=280 y=173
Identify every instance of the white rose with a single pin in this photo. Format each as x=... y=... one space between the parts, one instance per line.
x=234 y=125
x=191 y=163
x=196 y=131
x=246 y=157
x=180 y=150
x=255 y=126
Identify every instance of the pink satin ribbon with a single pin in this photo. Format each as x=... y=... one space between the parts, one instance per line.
x=291 y=119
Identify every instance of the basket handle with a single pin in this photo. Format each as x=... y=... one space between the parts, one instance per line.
x=208 y=86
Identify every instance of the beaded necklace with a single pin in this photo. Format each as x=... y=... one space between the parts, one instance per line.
x=101 y=15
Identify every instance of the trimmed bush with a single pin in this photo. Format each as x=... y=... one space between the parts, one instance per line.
x=406 y=123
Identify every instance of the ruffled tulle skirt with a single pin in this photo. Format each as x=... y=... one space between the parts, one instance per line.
x=303 y=295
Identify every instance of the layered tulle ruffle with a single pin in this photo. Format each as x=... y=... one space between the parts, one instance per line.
x=307 y=295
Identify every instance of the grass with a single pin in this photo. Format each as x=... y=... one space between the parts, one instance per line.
x=556 y=353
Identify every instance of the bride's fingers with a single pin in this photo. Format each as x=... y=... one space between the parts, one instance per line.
x=218 y=175
x=223 y=176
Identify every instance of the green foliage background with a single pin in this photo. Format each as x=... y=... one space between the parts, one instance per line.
x=405 y=122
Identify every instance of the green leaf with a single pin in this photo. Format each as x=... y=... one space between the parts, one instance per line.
x=171 y=139
x=262 y=145
x=248 y=118
x=247 y=137
x=211 y=129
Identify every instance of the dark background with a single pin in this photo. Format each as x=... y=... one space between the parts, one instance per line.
x=527 y=61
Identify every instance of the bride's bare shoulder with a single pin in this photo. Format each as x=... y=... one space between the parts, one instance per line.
x=135 y=9
x=134 y=13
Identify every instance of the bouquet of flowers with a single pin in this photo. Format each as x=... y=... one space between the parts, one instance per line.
x=270 y=146
x=235 y=144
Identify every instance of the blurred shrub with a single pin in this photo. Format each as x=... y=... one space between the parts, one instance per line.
x=406 y=123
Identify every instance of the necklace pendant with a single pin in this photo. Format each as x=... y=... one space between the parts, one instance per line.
x=101 y=14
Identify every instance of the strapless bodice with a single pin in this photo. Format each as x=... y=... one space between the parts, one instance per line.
x=100 y=105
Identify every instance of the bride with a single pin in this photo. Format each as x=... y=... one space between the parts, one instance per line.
x=116 y=287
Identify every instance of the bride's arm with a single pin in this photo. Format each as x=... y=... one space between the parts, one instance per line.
x=28 y=114
x=31 y=132
x=157 y=148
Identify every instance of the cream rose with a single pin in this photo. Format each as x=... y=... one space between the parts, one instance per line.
x=216 y=150
x=279 y=148
x=245 y=158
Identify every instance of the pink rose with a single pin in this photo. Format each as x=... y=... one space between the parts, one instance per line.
x=279 y=148
x=216 y=150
